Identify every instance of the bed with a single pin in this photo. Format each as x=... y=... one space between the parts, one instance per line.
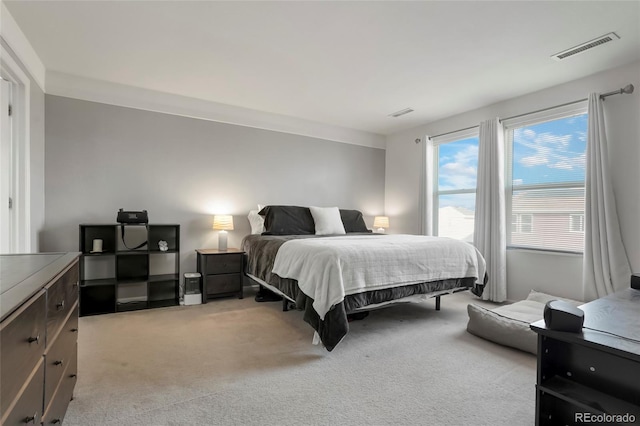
x=329 y=273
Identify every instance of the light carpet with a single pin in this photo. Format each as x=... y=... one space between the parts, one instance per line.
x=238 y=362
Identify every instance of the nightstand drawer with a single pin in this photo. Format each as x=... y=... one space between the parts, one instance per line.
x=223 y=283
x=224 y=264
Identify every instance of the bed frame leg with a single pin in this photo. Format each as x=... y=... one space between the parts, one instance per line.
x=437 y=303
x=285 y=304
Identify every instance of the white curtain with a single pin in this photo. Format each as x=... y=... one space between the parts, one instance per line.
x=606 y=266
x=489 y=235
x=426 y=188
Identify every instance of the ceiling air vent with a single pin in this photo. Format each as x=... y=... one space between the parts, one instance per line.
x=401 y=112
x=585 y=46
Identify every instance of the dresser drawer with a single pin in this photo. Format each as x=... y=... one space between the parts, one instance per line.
x=61 y=296
x=28 y=408
x=60 y=354
x=21 y=347
x=224 y=283
x=58 y=407
x=223 y=264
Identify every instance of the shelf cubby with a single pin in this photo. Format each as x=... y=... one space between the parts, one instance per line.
x=97 y=299
x=106 y=233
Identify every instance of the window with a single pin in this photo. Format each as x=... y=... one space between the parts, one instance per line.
x=522 y=223
x=576 y=223
x=456 y=165
x=546 y=174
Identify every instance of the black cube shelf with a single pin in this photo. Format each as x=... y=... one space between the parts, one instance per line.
x=122 y=266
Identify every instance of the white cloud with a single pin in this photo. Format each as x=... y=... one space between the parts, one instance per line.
x=534 y=160
x=571 y=163
x=461 y=170
x=549 y=149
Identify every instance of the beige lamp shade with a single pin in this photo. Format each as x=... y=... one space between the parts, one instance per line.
x=381 y=222
x=223 y=222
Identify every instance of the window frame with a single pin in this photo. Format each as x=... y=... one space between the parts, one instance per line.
x=510 y=125
x=443 y=140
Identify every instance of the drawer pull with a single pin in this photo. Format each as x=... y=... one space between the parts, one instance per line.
x=34 y=339
x=60 y=362
x=74 y=330
x=55 y=421
x=60 y=305
x=71 y=376
x=31 y=419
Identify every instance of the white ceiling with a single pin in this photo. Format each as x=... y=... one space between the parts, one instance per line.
x=342 y=63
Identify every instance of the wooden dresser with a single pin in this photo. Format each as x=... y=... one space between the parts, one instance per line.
x=38 y=337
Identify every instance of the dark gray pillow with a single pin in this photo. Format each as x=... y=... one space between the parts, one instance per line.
x=287 y=220
x=353 y=221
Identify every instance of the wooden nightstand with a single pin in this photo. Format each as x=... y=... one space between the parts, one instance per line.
x=221 y=272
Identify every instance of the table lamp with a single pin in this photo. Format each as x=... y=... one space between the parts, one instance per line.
x=222 y=223
x=381 y=222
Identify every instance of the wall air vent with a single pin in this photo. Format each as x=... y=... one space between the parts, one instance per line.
x=586 y=46
x=401 y=112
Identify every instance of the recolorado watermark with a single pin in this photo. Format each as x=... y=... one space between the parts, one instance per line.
x=604 y=418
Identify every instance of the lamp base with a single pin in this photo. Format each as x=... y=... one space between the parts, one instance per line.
x=222 y=241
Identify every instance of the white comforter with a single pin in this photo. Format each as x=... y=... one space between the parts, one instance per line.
x=329 y=268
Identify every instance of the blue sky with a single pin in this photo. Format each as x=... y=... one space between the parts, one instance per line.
x=458 y=164
x=547 y=152
x=551 y=152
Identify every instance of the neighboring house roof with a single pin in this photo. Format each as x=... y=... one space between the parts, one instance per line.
x=458 y=211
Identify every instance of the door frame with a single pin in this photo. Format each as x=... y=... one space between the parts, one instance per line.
x=21 y=161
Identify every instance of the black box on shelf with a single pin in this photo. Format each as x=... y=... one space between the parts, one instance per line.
x=132 y=267
x=635 y=281
x=98 y=299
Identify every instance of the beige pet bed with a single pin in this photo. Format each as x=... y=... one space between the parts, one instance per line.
x=509 y=324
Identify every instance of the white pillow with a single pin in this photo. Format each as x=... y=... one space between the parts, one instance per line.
x=328 y=221
x=256 y=221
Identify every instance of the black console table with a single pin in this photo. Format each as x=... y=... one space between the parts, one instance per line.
x=592 y=376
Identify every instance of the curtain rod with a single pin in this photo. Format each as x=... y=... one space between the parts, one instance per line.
x=625 y=90
x=453 y=131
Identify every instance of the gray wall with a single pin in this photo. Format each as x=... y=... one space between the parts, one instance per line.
x=36 y=154
x=557 y=274
x=100 y=158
